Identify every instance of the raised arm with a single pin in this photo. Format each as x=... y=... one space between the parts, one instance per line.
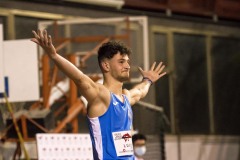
x=87 y=87
x=149 y=77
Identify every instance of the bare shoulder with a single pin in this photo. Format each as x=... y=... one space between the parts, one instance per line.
x=130 y=96
x=127 y=93
x=99 y=105
x=104 y=93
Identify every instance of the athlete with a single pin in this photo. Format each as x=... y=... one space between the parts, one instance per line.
x=109 y=105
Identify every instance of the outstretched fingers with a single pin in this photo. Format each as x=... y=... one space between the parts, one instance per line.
x=160 y=68
x=162 y=74
x=153 y=66
x=49 y=40
x=45 y=37
x=36 y=37
x=42 y=38
x=141 y=70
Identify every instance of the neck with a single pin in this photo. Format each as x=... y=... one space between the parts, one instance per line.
x=114 y=86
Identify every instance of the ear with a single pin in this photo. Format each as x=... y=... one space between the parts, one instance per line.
x=105 y=65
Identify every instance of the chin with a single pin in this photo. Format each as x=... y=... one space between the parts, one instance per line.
x=123 y=79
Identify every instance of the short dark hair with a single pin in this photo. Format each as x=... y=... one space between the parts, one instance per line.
x=109 y=49
x=138 y=136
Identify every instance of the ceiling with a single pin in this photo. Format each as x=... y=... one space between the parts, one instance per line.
x=226 y=9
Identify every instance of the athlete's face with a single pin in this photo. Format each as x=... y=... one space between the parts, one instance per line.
x=120 y=67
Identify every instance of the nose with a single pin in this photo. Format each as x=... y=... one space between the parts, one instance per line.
x=127 y=66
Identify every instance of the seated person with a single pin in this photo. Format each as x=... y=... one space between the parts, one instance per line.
x=139 y=145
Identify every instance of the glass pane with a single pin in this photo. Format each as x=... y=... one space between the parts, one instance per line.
x=162 y=85
x=24 y=26
x=226 y=84
x=146 y=121
x=191 y=96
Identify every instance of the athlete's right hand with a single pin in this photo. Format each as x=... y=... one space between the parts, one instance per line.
x=45 y=41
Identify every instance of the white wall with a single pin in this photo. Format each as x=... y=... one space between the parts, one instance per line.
x=1 y=60
x=203 y=148
x=20 y=65
x=21 y=68
x=192 y=148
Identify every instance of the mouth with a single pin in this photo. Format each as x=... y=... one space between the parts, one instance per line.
x=126 y=70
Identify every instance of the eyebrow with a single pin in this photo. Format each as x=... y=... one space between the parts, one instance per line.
x=128 y=59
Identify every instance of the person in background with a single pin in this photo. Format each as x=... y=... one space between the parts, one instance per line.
x=139 y=145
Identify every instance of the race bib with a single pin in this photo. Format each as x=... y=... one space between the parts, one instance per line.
x=123 y=143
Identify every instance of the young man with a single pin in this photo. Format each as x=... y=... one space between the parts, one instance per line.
x=139 y=145
x=109 y=105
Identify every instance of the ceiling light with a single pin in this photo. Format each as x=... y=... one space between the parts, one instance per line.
x=108 y=3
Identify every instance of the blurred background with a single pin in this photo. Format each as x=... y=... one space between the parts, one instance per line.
x=190 y=114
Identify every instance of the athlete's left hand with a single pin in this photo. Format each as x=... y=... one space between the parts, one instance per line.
x=154 y=73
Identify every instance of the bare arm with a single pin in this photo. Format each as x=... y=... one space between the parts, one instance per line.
x=140 y=90
x=86 y=86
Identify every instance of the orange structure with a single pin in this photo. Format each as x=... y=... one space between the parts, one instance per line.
x=69 y=98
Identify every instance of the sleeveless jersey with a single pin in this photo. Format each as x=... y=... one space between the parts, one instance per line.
x=117 y=118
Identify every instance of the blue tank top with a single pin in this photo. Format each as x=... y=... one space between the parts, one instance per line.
x=117 y=118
